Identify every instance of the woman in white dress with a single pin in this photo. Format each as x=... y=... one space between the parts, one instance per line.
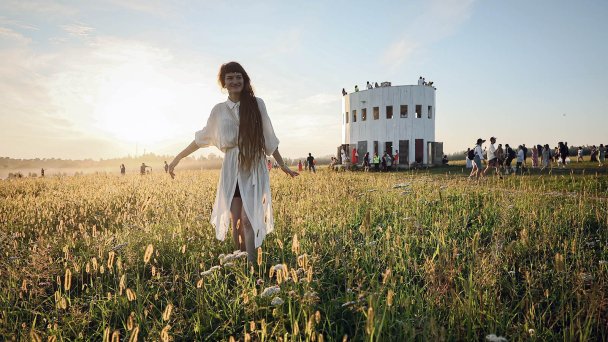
x=241 y=128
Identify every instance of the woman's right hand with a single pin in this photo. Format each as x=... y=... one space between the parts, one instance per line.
x=172 y=167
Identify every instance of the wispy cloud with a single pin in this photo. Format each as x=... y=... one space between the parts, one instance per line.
x=9 y=36
x=78 y=29
x=38 y=7
x=398 y=52
x=440 y=19
x=156 y=7
x=4 y=21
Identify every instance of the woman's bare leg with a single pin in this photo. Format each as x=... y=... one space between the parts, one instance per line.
x=249 y=237
x=237 y=227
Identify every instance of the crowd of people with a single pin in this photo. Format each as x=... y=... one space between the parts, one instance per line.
x=379 y=163
x=370 y=85
x=542 y=156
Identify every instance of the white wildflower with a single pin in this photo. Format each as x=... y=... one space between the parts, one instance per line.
x=347 y=304
x=270 y=291
x=230 y=257
x=279 y=267
x=276 y=301
x=209 y=271
x=494 y=338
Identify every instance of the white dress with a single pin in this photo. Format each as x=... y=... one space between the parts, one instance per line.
x=222 y=131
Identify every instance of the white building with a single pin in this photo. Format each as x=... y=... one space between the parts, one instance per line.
x=391 y=118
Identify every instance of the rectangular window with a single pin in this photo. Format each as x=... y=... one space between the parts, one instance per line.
x=389 y=112
x=418 y=111
x=430 y=112
x=354 y=115
x=346 y=117
x=375 y=147
x=363 y=114
x=376 y=113
x=404 y=111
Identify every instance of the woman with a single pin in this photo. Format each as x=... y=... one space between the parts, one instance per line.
x=546 y=156
x=534 y=157
x=366 y=162
x=241 y=128
x=520 y=159
x=469 y=160
x=354 y=159
x=477 y=166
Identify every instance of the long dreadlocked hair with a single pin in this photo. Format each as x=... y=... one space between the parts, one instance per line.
x=251 y=136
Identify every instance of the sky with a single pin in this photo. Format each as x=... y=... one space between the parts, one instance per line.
x=103 y=79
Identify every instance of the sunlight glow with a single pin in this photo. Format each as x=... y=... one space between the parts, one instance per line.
x=134 y=104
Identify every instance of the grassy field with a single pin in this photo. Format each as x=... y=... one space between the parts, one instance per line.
x=417 y=255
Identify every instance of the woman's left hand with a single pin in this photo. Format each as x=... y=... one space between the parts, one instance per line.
x=288 y=171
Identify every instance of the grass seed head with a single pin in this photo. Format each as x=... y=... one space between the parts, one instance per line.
x=131 y=296
x=369 y=324
x=259 y=256
x=148 y=253
x=167 y=313
x=134 y=333
x=67 y=281
x=164 y=334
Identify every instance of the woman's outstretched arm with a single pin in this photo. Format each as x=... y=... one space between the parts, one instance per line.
x=183 y=154
x=277 y=156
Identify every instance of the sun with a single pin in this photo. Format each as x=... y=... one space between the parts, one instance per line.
x=134 y=104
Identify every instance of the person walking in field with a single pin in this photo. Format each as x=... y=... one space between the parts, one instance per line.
x=142 y=168
x=366 y=162
x=299 y=166
x=500 y=155
x=310 y=161
x=166 y=167
x=525 y=149
x=546 y=156
x=241 y=128
x=579 y=154
x=509 y=158
x=477 y=159
x=602 y=152
x=520 y=159
x=534 y=157
x=563 y=153
x=492 y=158
x=123 y=170
x=468 y=156
x=376 y=162
x=354 y=158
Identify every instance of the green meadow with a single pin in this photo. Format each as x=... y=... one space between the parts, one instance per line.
x=415 y=255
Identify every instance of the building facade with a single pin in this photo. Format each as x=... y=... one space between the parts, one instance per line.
x=392 y=118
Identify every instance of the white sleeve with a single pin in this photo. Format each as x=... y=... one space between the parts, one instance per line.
x=271 y=142
x=209 y=134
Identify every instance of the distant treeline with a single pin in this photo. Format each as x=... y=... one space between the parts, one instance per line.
x=156 y=162
x=131 y=163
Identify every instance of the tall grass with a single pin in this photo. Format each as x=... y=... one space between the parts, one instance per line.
x=396 y=256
